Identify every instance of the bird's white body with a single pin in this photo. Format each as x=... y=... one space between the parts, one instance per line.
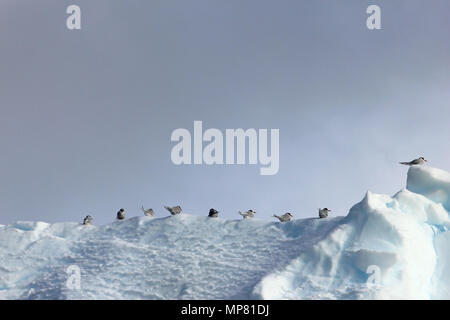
x=284 y=218
x=121 y=214
x=173 y=210
x=247 y=214
x=148 y=212
x=323 y=213
x=87 y=220
x=416 y=162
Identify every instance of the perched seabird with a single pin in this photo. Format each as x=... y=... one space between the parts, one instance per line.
x=285 y=217
x=323 y=213
x=173 y=210
x=213 y=213
x=87 y=220
x=416 y=162
x=148 y=212
x=247 y=214
x=121 y=214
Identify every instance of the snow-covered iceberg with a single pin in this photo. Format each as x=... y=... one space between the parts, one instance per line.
x=401 y=242
x=385 y=248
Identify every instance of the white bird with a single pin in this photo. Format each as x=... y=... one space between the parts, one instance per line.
x=285 y=217
x=419 y=161
x=148 y=212
x=87 y=220
x=173 y=210
x=247 y=214
x=323 y=213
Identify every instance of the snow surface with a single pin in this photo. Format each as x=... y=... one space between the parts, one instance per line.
x=405 y=237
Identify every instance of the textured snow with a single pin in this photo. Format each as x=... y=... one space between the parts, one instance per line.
x=190 y=257
x=179 y=257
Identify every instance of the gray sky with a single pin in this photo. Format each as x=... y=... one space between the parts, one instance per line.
x=86 y=116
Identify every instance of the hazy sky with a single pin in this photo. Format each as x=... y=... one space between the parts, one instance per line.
x=86 y=115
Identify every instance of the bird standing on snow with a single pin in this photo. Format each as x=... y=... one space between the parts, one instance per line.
x=148 y=212
x=247 y=214
x=416 y=162
x=121 y=214
x=173 y=210
x=213 y=213
x=87 y=220
x=323 y=213
x=285 y=217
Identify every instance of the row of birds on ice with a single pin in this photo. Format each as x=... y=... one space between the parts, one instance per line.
x=213 y=213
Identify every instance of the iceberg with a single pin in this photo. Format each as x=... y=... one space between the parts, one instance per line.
x=404 y=237
x=387 y=247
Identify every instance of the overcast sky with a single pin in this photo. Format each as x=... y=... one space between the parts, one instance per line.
x=86 y=115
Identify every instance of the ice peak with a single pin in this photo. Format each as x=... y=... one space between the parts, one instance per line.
x=433 y=183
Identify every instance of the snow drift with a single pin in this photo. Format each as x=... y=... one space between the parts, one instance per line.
x=402 y=242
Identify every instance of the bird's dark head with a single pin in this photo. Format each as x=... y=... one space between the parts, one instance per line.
x=422 y=158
